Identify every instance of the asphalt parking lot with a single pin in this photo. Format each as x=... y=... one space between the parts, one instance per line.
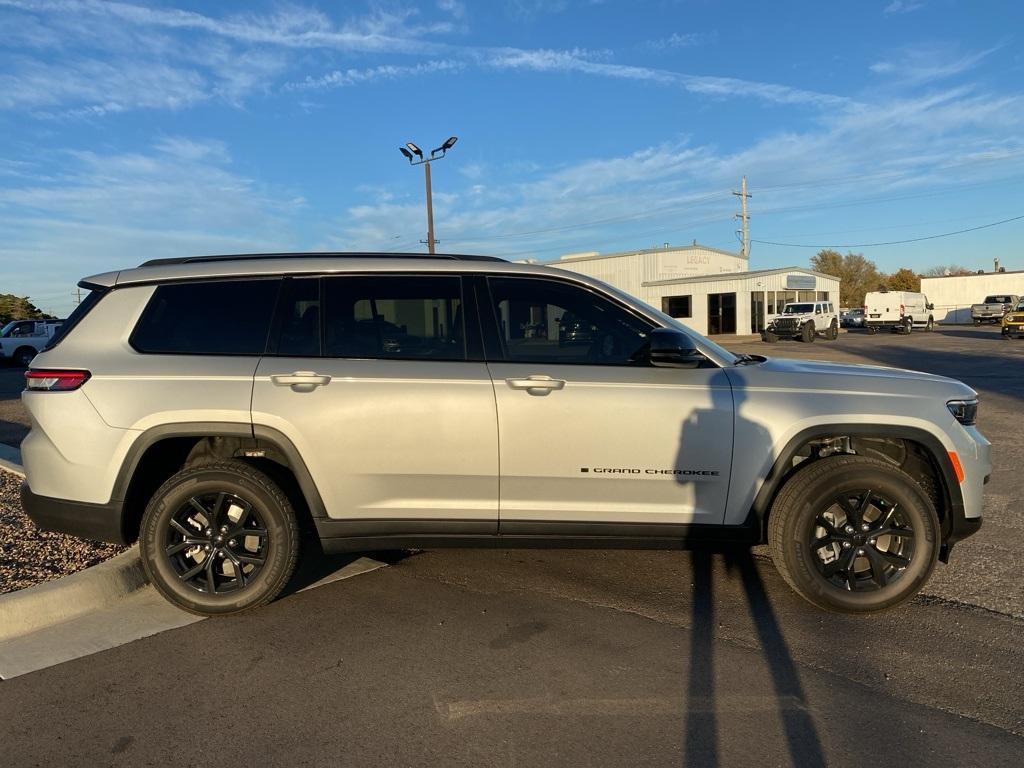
x=470 y=657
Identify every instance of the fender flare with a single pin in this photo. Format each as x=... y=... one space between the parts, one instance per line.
x=781 y=469
x=269 y=435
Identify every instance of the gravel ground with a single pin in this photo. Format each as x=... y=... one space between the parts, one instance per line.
x=30 y=556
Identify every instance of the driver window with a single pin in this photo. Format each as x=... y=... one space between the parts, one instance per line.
x=546 y=321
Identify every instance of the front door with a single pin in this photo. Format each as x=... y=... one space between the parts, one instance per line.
x=371 y=381
x=721 y=313
x=586 y=433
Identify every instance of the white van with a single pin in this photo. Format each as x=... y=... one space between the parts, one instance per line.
x=899 y=311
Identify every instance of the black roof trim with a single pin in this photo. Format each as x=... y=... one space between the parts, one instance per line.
x=321 y=255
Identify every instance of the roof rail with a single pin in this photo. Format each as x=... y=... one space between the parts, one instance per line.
x=319 y=255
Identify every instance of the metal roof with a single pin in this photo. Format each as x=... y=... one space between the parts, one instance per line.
x=736 y=276
x=974 y=274
x=570 y=258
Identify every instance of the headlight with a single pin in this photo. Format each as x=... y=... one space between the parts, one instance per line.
x=964 y=411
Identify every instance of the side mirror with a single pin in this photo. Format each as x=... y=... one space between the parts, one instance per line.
x=672 y=349
x=929 y=306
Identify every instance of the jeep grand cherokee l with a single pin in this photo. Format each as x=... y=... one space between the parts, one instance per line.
x=211 y=407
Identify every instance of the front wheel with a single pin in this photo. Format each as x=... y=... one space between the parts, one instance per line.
x=219 y=538
x=931 y=324
x=872 y=330
x=807 y=332
x=770 y=337
x=853 y=535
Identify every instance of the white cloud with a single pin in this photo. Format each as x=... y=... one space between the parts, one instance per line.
x=681 y=40
x=901 y=6
x=918 y=64
x=341 y=78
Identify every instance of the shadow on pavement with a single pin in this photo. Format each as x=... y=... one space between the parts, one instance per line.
x=702 y=737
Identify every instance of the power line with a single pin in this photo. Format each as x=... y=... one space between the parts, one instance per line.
x=894 y=242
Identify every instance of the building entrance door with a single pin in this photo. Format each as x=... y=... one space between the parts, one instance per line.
x=756 y=311
x=721 y=313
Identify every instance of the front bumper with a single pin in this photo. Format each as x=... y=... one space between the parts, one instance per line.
x=98 y=522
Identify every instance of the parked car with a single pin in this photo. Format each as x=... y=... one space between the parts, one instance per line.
x=803 y=321
x=21 y=340
x=852 y=318
x=214 y=407
x=897 y=311
x=1013 y=321
x=993 y=308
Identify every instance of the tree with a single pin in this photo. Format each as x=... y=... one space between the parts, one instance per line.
x=904 y=279
x=857 y=275
x=952 y=269
x=18 y=308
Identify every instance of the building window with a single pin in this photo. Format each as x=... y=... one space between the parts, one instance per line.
x=806 y=296
x=676 y=306
x=822 y=295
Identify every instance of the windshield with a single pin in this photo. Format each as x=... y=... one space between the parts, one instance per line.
x=6 y=330
x=798 y=309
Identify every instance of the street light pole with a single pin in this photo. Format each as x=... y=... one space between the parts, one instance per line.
x=410 y=151
x=430 y=210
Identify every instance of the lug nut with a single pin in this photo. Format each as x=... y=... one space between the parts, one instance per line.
x=220 y=555
x=232 y=543
x=847 y=545
x=209 y=531
x=849 y=529
x=224 y=529
x=865 y=527
x=208 y=548
x=860 y=551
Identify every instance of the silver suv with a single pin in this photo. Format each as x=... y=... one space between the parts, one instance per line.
x=214 y=407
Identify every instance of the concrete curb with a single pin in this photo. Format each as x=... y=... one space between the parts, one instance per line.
x=10 y=460
x=53 y=602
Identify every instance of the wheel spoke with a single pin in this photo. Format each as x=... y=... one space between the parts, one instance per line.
x=250 y=559
x=903 y=533
x=211 y=579
x=244 y=532
x=824 y=541
x=218 y=507
x=191 y=573
x=188 y=542
x=853 y=516
x=878 y=574
x=840 y=566
x=237 y=565
x=825 y=523
x=865 y=505
x=183 y=530
x=884 y=519
x=198 y=507
x=893 y=559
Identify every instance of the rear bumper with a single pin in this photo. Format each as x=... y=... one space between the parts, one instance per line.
x=98 y=522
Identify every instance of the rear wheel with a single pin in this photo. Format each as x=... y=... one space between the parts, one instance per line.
x=853 y=534
x=219 y=538
x=24 y=356
x=833 y=331
x=872 y=330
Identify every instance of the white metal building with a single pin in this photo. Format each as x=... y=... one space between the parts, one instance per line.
x=710 y=290
x=953 y=295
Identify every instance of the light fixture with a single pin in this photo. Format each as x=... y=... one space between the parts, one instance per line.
x=415 y=150
x=406 y=152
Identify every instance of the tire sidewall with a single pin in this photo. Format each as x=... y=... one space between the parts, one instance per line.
x=172 y=496
x=815 y=498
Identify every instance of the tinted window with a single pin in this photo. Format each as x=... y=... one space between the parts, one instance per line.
x=548 y=321
x=394 y=316
x=224 y=317
x=300 y=318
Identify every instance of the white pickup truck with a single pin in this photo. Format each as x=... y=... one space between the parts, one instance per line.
x=21 y=340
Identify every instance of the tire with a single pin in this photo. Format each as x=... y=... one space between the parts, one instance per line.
x=907 y=326
x=872 y=330
x=24 y=356
x=833 y=331
x=930 y=324
x=807 y=332
x=771 y=338
x=875 y=578
x=977 y=322
x=262 y=561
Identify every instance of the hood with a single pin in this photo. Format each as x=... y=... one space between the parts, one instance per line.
x=848 y=377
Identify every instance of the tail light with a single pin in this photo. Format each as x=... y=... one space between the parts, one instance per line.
x=43 y=380
x=902 y=310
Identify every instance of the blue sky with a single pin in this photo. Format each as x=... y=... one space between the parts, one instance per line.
x=131 y=131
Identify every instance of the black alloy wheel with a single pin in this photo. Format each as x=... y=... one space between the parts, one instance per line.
x=861 y=541
x=216 y=543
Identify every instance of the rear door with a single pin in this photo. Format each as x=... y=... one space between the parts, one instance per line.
x=390 y=404
x=590 y=439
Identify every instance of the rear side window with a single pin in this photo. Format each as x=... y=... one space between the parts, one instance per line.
x=84 y=307
x=393 y=316
x=215 y=317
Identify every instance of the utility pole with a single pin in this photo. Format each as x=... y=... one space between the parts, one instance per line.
x=78 y=296
x=411 y=151
x=744 y=219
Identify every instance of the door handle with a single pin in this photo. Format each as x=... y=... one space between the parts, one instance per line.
x=536 y=385
x=300 y=381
